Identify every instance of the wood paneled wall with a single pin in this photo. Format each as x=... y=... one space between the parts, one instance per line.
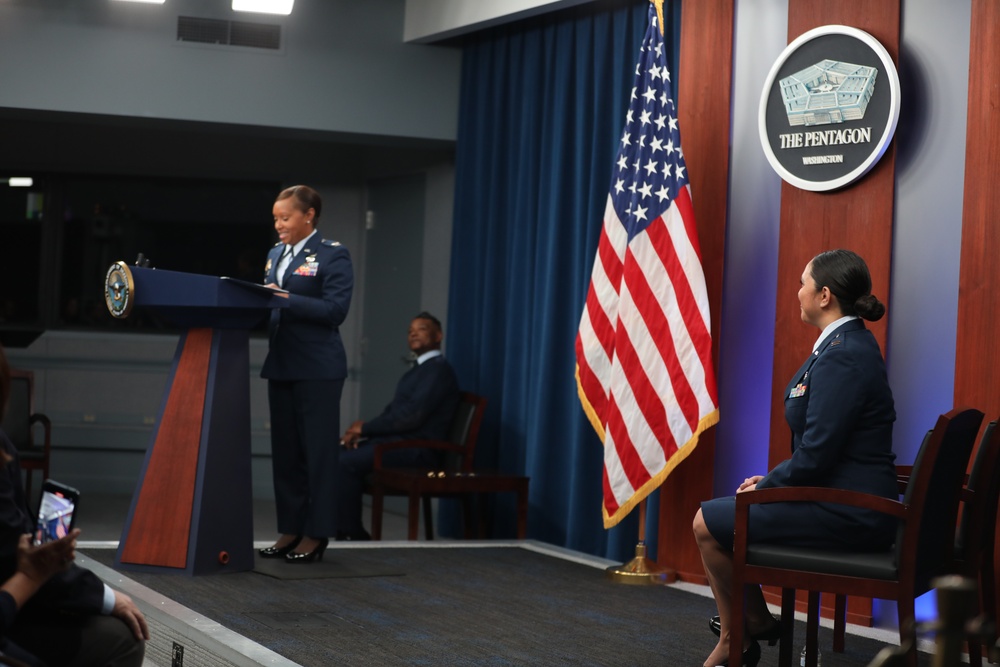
x=703 y=109
x=977 y=342
x=858 y=217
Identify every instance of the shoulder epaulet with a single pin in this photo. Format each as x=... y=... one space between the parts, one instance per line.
x=277 y=244
x=331 y=243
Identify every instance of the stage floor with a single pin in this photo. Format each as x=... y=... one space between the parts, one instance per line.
x=444 y=602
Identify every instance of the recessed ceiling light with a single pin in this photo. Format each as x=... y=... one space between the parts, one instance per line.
x=264 y=6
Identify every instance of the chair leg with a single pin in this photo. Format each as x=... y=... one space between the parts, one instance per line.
x=906 y=616
x=378 y=502
x=975 y=652
x=737 y=621
x=786 y=646
x=413 y=517
x=839 y=623
x=428 y=519
x=812 y=628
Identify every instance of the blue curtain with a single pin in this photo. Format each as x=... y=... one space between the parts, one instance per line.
x=542 y=108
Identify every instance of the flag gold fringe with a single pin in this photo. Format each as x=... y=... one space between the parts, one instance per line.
x=588 y=409
x=706 y=422
x=709 y=420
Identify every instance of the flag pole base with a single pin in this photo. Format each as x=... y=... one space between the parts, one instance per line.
x=641 y=570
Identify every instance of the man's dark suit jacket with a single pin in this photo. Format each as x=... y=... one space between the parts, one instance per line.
x=423 y=406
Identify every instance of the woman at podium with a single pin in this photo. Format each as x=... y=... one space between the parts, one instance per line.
x=305 y=368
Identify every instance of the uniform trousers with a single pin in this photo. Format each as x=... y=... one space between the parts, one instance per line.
x=305 y=443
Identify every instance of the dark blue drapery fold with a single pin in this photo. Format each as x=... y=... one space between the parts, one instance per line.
x=542 y=108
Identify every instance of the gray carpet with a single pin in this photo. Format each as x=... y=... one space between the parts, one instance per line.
x=335 y=565
x=493 y=606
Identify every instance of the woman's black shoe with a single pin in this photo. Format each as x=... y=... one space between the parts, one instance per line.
x=279 y=552
x=309 y=556
x=751 y=656
x=771 y=635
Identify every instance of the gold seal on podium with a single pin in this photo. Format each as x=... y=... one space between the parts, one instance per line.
x=118 y=289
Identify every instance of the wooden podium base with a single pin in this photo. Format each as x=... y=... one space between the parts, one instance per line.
x=192 y=509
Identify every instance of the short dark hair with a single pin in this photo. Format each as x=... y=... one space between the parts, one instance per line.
x=424 y=315
x=305 y=198
x=847 y=276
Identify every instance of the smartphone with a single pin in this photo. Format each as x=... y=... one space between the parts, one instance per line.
x=56 y=511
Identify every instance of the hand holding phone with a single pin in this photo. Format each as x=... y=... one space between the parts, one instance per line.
x=56 y=511
x=39 y=562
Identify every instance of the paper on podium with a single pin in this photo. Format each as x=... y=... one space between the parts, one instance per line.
x=254 y=286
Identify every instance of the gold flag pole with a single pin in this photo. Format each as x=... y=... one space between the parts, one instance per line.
x=641 y=570
x=659 y=13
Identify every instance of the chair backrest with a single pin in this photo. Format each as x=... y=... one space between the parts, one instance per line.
x=975 y=532
x=934 y=492
x=465 y=431
x=17 y=420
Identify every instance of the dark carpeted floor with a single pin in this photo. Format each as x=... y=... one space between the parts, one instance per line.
x=466 y=606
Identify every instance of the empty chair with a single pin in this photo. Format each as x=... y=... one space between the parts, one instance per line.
x=19 y=425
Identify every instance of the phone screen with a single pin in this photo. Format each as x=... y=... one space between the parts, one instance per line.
x=55 y=514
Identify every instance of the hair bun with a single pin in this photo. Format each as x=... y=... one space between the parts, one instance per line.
x=869 y=307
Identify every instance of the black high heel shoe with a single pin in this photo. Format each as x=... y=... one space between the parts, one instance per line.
x=771 y=635
x=309 y=556
x=279 y=552
x=750 y=658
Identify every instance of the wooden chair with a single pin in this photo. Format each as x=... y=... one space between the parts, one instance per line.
x=458 y=453
x=975 y=539
x=923 y=549
x=19 y=422
x=975 y=545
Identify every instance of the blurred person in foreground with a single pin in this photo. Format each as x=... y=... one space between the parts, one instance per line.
x=51 y=610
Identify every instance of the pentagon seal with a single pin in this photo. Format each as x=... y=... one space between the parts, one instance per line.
x=118 y=289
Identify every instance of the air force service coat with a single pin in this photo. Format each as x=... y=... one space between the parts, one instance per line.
x=305 y=339
x=840 y=410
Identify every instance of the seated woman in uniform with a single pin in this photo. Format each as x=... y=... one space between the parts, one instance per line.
x=840 y=411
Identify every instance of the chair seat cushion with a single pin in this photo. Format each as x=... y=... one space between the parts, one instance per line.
x=877 y=565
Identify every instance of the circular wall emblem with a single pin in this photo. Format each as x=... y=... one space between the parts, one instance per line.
x=829 y=107
x=118 y=289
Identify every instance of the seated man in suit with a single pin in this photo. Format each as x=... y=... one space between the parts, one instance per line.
x=422 y=409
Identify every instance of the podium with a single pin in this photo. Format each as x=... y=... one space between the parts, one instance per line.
x=191 y=512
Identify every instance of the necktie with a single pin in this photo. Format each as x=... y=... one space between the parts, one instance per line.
x=283 y=262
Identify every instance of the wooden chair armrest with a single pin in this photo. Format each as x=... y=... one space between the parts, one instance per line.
x=439 y=445
x=791 y=494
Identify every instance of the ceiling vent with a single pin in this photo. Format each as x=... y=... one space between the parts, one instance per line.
x=229 y=33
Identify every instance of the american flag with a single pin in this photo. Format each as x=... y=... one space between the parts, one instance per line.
x=643 y=350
